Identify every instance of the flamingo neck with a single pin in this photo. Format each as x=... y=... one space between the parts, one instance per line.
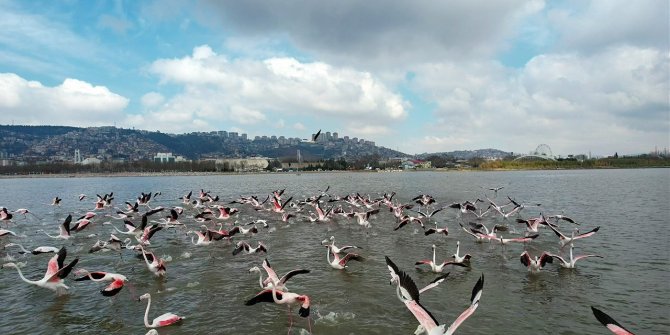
x=328 y=254
x=260 y=280
x=34 y=282
x=146 y=313
x=274 y=295
x=47 y=234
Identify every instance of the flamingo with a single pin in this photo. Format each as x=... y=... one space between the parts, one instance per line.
x=434 y=267
x=461 y=259
x=409 y=295
x=437 y=230
x=479 y=236
x=395 y=277
x=405 y=219
x=56 y=272
x=281 y=298
x=64 y=229
x=313 y=139
x=423 y=199
x=244 y=231
x=5 y=232
x=562 y=217
x=203 y=238
x=225 y=212
x=535 y=265
x=36 y=251
x=565 y=240
x=5 y=215
x=363 y=217
x=154 y=264
x=56 y=201
x=242 y=245
x=427 y=215
x=117 y=280
x=610 y=323
x=526 y=239
x=338 y=262
x=571 y=263
x=164 y=320
x=337 y=250
x=272 y=280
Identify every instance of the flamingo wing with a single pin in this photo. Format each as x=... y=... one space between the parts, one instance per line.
x=545 y=258
x=349 y=257
x=560 y=259
x=292 y=273
x=525 y=259
x=271 y=272
x=167 y=319
x=263 y=296
x=587 y=234
x=610 y=323
x=434 y=283
x=113 y=288
x=474 y=303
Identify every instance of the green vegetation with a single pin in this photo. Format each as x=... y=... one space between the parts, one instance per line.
x=642 y=161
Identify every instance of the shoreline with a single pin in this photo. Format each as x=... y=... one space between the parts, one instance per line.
x=189 y=173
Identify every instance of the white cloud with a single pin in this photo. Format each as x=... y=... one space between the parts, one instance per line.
x=617 y=98
x=74 y=102
x=299 y=126
x=152 y=99
x=250 y=92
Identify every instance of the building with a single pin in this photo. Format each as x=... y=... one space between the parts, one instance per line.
x=164 y=157
x=167 y=157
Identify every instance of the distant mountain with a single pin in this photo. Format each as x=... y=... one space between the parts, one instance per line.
x=468 y=154
x=58 y=143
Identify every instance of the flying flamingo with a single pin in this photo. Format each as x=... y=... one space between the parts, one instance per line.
x=461 y=259
x=242 y=245
x=56 y=272
x=5 y=232
x=36 y=251
x=405 y=219
x=565 y=240
x=610 y=323
x=535 y=265
x=166 y=319
x=280 y=298
x=341 y=262
x=117 y=280
x=437 y=230
x=154 y=264
x=64 y=229
x=395 y=277
x=272 y=280
x=337 y=250
x=203 y=238
x=362 y=217
x=427 y=322
x=570 y=264
x=437 y=268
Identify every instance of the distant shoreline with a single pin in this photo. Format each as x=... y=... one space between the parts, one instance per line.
x=186 y=174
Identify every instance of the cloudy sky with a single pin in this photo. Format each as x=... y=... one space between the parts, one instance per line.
x=417 y=76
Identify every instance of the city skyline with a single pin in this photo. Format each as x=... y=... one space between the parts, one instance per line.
x=582 y=77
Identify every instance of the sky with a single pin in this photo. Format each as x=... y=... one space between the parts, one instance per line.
x=415 y=76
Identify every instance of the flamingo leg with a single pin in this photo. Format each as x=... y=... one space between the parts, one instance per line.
x=290 y=319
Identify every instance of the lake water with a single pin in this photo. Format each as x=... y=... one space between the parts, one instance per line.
x=208 y=285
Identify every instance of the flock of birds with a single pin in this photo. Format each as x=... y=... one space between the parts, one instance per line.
x=209 y=220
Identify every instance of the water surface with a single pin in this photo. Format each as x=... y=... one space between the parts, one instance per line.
x=208 y=285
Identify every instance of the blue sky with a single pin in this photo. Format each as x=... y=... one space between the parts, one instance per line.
x=580 y=76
